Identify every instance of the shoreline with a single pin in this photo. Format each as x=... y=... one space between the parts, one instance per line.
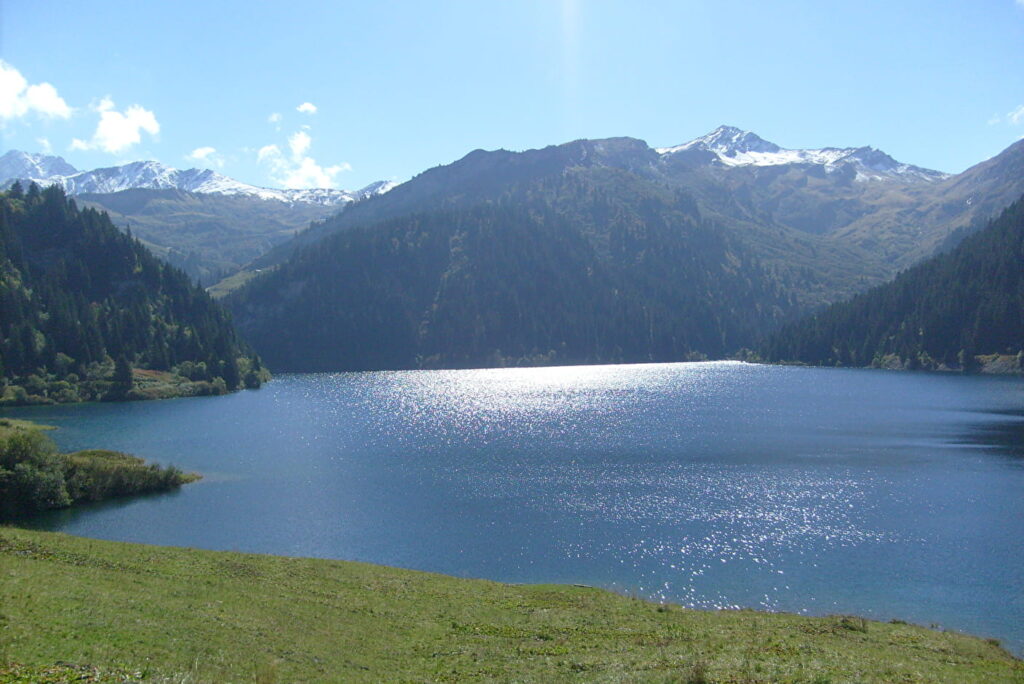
x=990 y=365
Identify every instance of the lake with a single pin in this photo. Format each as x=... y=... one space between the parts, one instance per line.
x=883 y=494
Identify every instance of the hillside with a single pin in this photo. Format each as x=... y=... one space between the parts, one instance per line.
x=589 y=266
x=209 y=236
x=82 y=303
x=719 y=241
x=81 y=607
x=941 y=313
x=828 y=269
x=201 y=221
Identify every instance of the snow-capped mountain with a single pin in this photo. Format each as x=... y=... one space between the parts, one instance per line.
x=16 y=164
x=46 y=170
x=731 y=146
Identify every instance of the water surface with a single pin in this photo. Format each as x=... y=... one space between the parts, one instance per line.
x=890 y=495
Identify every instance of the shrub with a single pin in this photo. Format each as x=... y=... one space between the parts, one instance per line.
x=31 y=474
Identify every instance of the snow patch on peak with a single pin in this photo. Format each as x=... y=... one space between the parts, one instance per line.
x=377 y=188
x=732 y=146
x=726 y=141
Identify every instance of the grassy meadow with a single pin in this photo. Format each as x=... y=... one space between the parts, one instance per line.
x=75 y=609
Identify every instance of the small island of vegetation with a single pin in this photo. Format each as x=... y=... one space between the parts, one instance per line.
x=35 y=477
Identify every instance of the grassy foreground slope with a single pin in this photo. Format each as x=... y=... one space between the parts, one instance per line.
x=168 y=614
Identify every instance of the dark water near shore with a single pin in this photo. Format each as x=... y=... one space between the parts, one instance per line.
x=890 y=495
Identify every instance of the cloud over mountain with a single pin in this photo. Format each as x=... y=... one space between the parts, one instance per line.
x=297 y=169
x=118 y=131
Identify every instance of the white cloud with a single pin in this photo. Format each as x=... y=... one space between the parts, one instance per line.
x=117 y=131
x=202 y=153
x=994 y=119
x=306 y=108
x=299 y=143
x=18 y=98
x=274 y=118
x=298 y=170
x=44 y=145
x=206 y=155
x=268 y=152
x=1017 y=115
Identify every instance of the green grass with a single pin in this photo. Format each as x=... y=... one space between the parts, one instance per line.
x=233 y=282
x=104 y=611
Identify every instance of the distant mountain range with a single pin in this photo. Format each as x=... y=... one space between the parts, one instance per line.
x=840 y=219
x=47 y=170
x=206 y=223
x=593 y=250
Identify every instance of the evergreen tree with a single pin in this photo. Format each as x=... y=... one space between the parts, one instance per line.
x=122 y=380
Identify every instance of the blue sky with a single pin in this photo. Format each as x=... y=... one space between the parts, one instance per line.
x=394 y=88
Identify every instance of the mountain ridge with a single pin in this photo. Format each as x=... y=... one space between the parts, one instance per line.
x=204 y=222
x=857 y=202
x=629 y=254
x=154 y=175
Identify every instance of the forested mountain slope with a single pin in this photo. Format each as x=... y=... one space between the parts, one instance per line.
x=590 y=265
x=81 y=303
x=942 y=312
x=824 y=268
x=602 y=250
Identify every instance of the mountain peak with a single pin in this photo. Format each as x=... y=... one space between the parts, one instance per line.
x=19 y=164
x=730 y=141
x=726 y=141
x=731 y=146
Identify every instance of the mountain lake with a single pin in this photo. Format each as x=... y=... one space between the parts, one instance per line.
x=890 y=495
